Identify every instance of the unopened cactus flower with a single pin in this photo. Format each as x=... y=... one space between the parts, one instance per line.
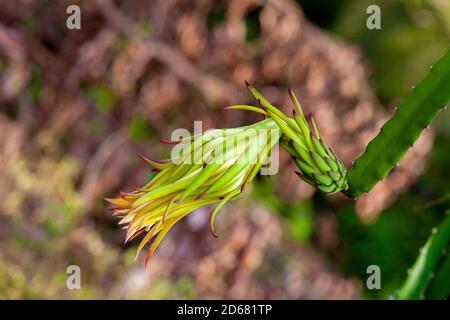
x=318 y=164
x=211 y=168
x=215 y=167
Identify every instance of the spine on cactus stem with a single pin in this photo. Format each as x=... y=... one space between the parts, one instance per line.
x=318 y=165
x=423 y=269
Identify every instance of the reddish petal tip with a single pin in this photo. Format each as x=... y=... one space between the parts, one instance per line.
x=211 y=229
x=168 y=141
x=147 y=259
x=141 y=156
x=214 y=234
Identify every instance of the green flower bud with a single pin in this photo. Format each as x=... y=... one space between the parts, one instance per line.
x=318 y=165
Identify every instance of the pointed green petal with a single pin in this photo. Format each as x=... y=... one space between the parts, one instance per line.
x=247 y=108
x=217 y=209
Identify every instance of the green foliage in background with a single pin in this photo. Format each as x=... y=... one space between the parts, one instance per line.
x=392 y=243
x=413 y=35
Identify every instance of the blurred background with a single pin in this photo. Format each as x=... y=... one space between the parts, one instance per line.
x=77 y=105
